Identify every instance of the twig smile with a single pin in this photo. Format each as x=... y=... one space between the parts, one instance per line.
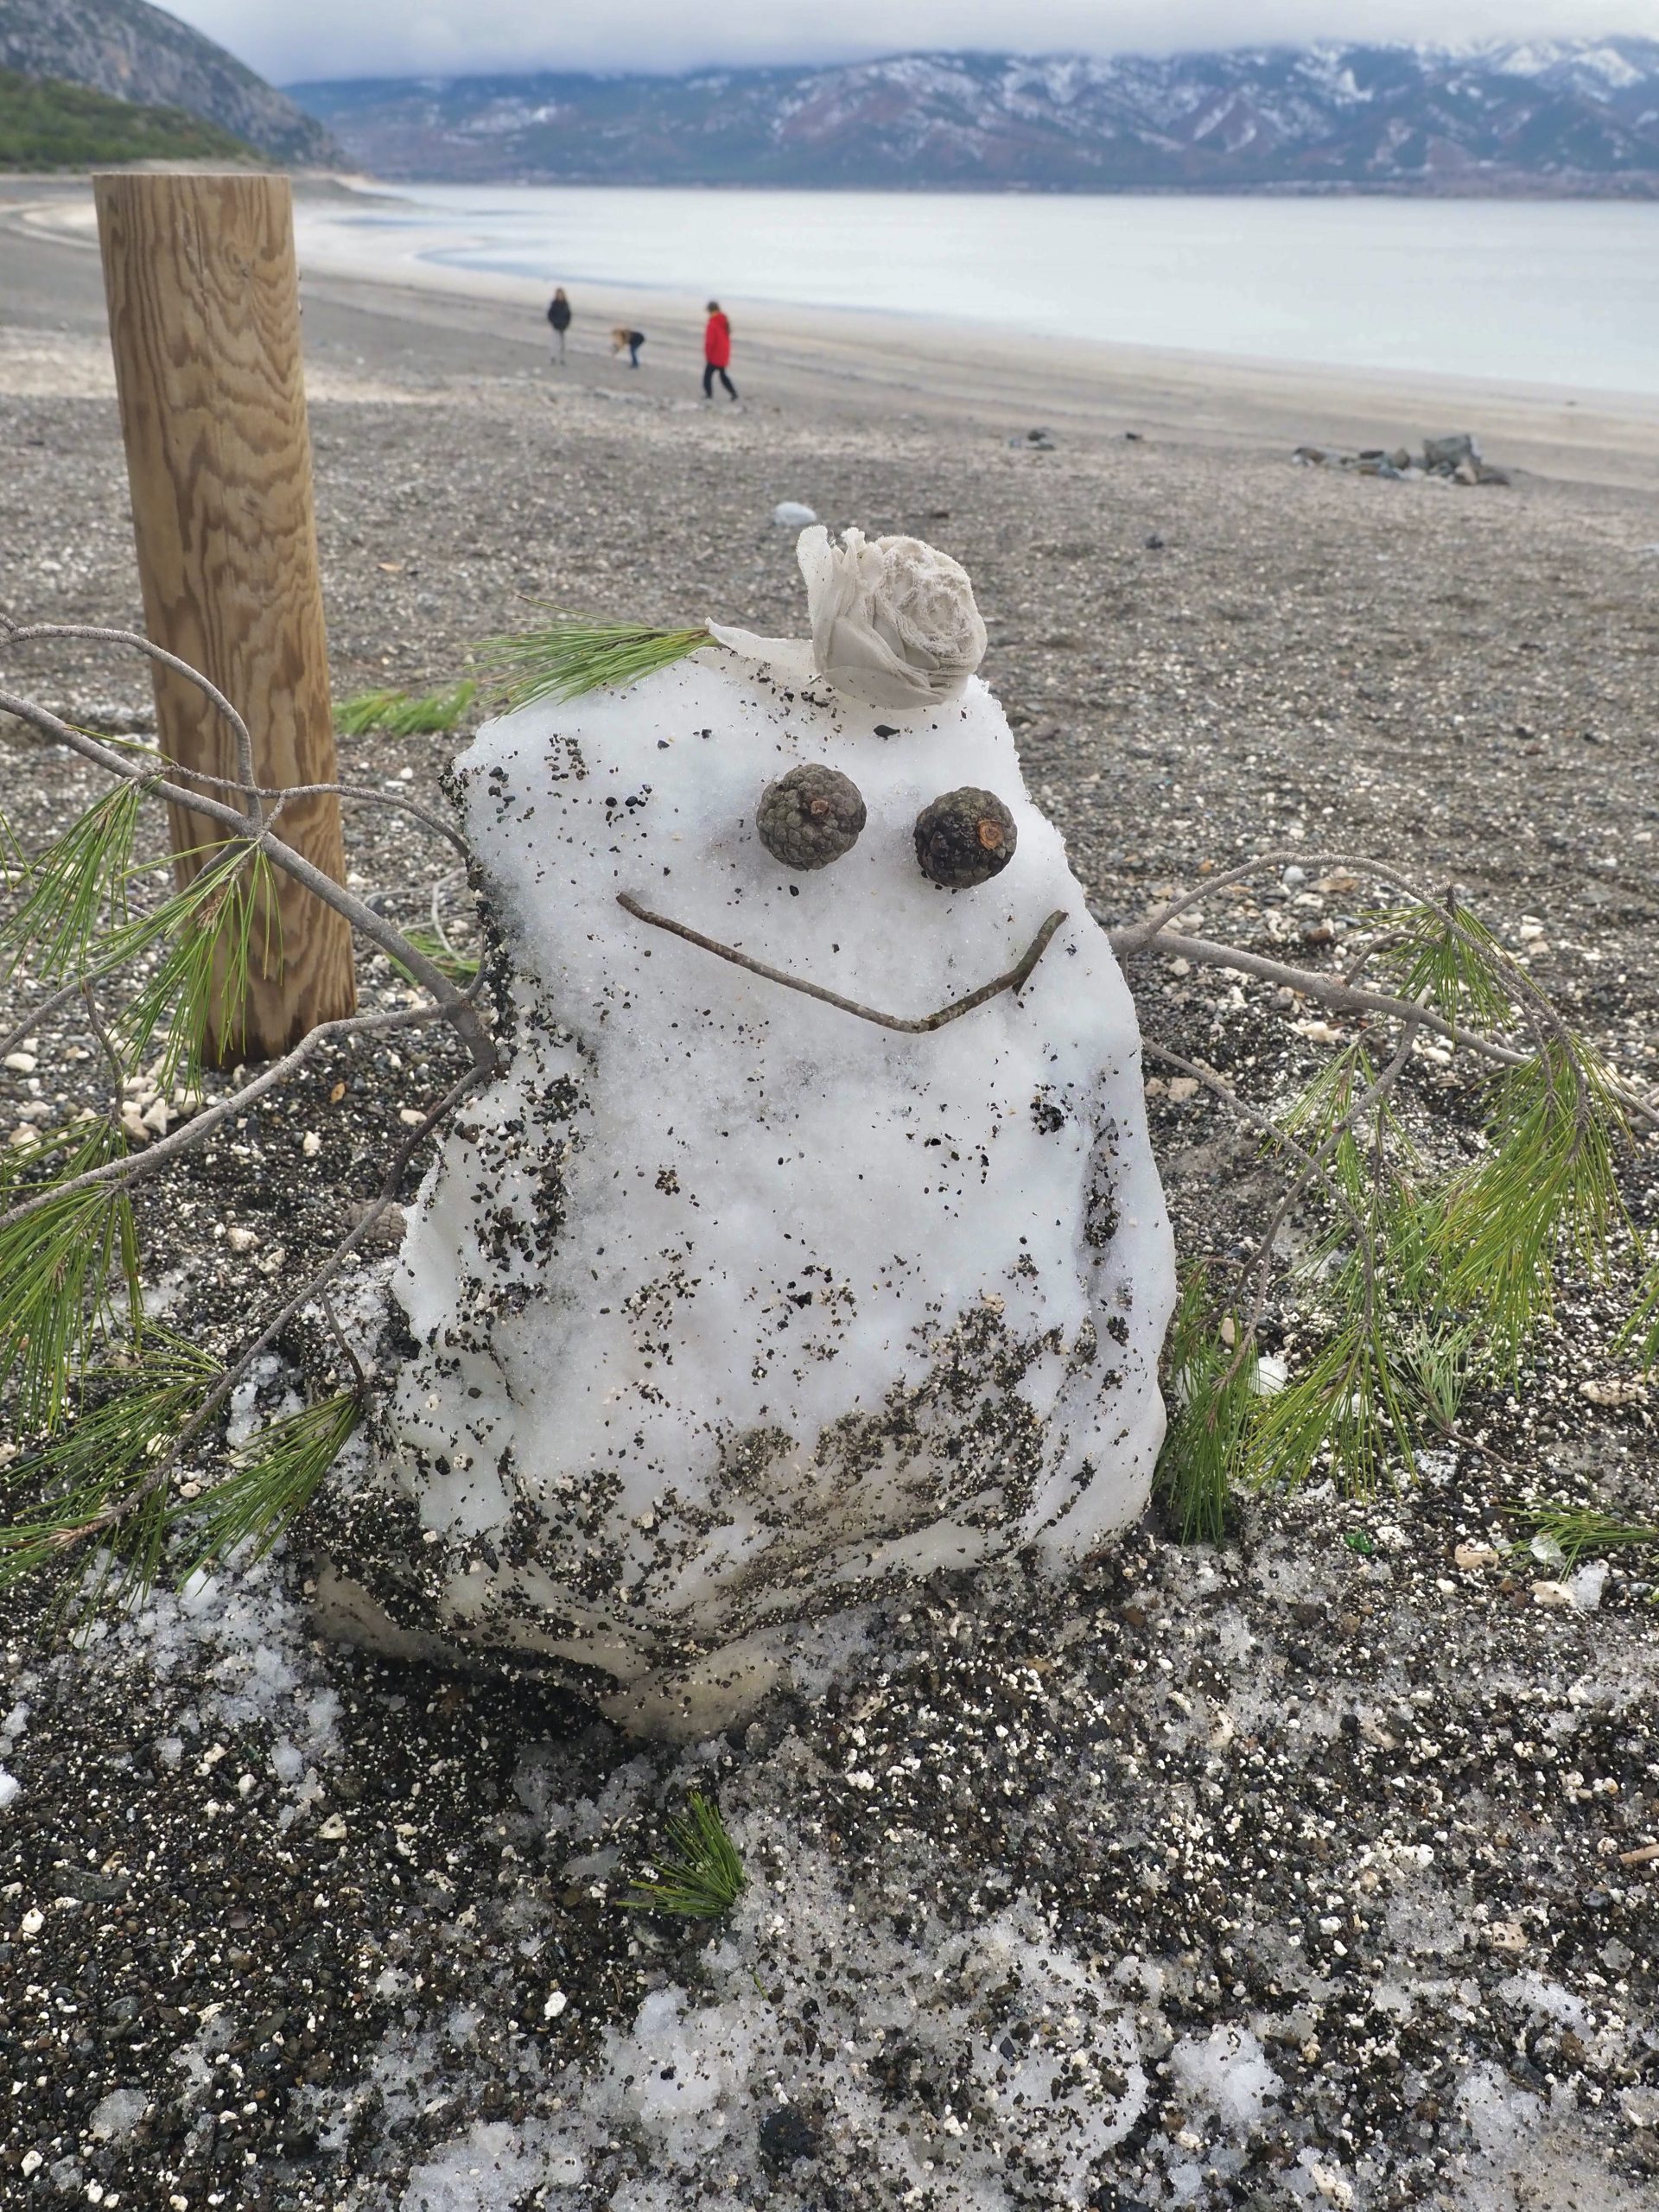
x=1014 y=980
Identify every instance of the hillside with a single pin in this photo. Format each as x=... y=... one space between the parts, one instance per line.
x=1565 y=116
x=137 y=55
x=47 y=125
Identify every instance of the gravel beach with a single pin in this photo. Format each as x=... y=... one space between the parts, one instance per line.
x=1312 y=1870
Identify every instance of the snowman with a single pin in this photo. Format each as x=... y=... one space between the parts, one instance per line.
x=810 y=1239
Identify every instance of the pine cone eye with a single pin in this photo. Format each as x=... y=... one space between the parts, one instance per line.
x=965 y=838
x=810 y=818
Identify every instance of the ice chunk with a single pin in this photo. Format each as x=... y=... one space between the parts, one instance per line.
x=115 y=2116
x=724 y=1304
x=1587 y=1586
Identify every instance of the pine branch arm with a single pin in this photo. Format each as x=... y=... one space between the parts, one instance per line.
x=1341 y=997
x=456 y=1004
x=122 y=1508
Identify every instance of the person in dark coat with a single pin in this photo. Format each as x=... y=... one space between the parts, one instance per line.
x=558 y=314
x=633 y=340
x=717 y=352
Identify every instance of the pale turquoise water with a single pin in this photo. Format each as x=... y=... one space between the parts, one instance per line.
x=1559 y=292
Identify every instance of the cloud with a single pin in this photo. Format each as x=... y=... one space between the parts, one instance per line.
x=290 y=40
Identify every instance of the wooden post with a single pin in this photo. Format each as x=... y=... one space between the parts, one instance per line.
x=205 y=323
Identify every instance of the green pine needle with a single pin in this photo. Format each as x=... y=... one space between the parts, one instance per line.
x=703 y=1877
x=1348 y=1404
x=1581 y=1529
x=573 y=655
x=219 y=934
x=403 y=714
x=1212 y=1397
x=1641 y=1332
x=65 y=1271
x=129 y=1412
x=132 y=1412
x=1543 y=1193
x=459 y=966
x=1452 y=960
x=276 y=1475
x=77 y=890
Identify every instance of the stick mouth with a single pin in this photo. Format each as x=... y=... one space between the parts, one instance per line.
x=1014 y=980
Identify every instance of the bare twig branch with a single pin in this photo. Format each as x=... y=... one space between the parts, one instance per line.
x=105 y=1042
x=1340 y=997
x=1379 y=872
x=1246 y=1112
x=344 y=1341
x=1014 y=980
x=1329 y=990
x=129 y=1169
x=370 y=797
x=23 y=633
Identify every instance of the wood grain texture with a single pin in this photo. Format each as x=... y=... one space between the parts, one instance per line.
x=205 y=324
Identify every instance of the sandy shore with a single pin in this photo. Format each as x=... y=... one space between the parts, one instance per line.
x=1303 y=1872
x=927 y=371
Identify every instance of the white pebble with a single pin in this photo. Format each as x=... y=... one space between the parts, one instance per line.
x=311 y=1145
x=556 y=2004
x=242 y=1239
x=21 y=1063
x=411 y=1116
x=1473 y=1559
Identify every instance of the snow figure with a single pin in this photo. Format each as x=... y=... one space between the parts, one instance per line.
x=811 y=1237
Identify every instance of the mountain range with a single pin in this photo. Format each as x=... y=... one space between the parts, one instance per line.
x=145 y=58
x=1561 y=116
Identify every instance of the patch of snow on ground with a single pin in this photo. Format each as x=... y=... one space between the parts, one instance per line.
x=1226 y=2071
x=225 y=1652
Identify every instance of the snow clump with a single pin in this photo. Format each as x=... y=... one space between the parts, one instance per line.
x=726 y=1306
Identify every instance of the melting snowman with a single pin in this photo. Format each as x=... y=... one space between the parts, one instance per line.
x=812 y=1239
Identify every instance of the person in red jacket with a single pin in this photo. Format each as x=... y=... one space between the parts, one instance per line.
x=717 y=352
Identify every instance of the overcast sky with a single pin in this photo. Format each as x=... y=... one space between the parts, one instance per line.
x=286 y=40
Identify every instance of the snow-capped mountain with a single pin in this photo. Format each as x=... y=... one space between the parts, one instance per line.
x=1557 y=115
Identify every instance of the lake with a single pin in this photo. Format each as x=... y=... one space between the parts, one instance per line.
x=1538 y=292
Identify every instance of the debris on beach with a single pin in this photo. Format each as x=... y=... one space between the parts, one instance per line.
x=1034 y=441
x=1456 y=458
x=793 y=514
